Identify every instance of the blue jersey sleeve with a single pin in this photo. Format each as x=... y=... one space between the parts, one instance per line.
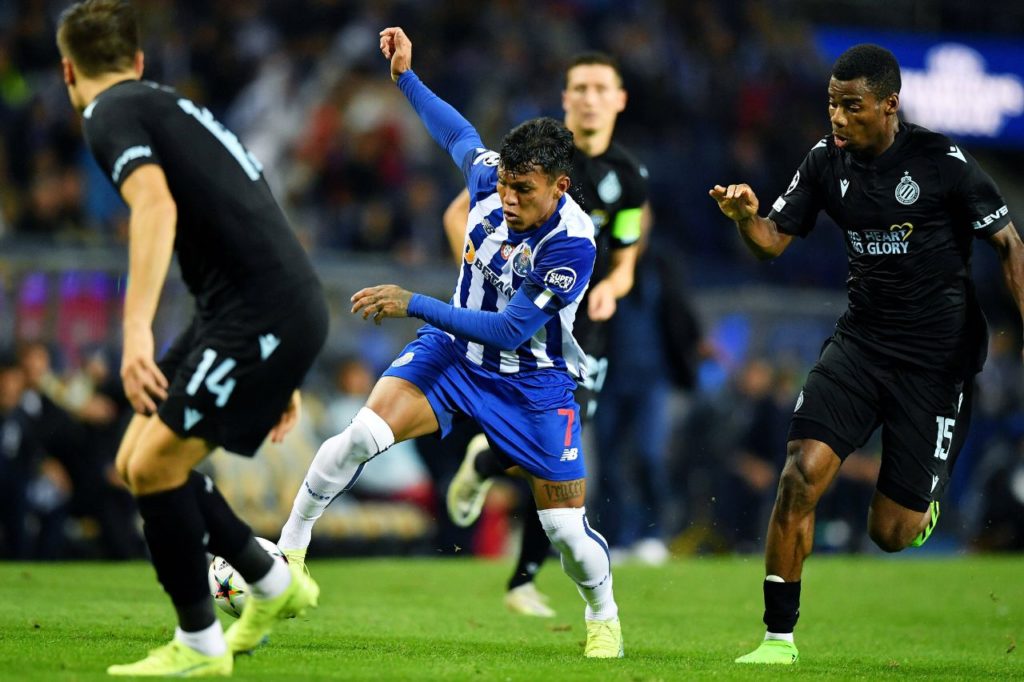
x=561 y=272
x=480 y=168
x=506 y=330
x=447 y=126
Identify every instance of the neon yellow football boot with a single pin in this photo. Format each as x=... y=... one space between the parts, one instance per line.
x=604 y=639
x=176 y=660
x=772 y=652
x=467 y=491
x=296 y=557
x=259 y=615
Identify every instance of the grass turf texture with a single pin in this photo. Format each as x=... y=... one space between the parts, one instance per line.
x=393 y=619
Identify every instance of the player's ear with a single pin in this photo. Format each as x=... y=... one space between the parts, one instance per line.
x=562 y=184
x=892 y=103
x=68 y=70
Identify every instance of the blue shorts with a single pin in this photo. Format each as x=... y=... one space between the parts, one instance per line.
x=530 y=416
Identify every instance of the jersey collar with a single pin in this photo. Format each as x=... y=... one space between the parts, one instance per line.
x=890 y=156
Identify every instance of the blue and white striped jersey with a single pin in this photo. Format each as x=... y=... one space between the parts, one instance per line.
x=553 y=264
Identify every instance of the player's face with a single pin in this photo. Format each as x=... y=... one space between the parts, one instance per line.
x=528 y=199
x=592 y=99
x=860 y=121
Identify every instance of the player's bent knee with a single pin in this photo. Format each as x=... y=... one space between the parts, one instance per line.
x=147 y=475
x=891 y=536
x=366 y=437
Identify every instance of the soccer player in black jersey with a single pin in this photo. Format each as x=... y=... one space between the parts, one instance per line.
x=612 y=187
x=231 y=378
x=904 y=355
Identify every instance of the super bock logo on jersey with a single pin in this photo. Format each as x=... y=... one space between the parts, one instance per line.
x=609 y=189
x=907 y=191
x=521 y=261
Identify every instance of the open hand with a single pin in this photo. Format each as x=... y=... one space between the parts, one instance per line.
x=143 y=381
x=385 y=300
x=737 y=202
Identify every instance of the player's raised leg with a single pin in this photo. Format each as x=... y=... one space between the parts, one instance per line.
x=810 y=467
x=158 y=471
x=395 y=411
x=585 y=560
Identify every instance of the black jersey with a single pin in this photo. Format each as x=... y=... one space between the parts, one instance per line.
x=611 y=186
x=234 y=245
x=909 y=218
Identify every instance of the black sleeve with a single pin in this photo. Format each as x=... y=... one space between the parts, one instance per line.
x=976 y=197
x=796 y=210
x=118 y=139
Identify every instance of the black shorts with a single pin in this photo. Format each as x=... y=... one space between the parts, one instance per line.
x=232 y=376
x=924 y=415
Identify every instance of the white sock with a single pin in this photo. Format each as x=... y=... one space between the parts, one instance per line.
x=584 y=559
x=334 y=470
x=275 y=582
x=209 y=641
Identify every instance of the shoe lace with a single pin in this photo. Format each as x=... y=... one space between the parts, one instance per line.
x=601 y=636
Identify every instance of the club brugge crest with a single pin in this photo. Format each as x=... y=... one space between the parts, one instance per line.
x=907 y=191
x=521 y=261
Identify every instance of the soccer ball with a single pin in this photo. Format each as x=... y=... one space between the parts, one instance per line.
x=228 y=587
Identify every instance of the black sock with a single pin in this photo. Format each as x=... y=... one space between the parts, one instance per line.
x=781 y=606
x=174 y=530
x=489 y=463
x=533 y=549
x=230 y=537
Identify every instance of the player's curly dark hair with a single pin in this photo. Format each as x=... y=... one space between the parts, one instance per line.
x=872 y=62
x=99 y=36
x=542 y=142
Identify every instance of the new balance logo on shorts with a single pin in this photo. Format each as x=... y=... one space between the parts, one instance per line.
x=570 y=454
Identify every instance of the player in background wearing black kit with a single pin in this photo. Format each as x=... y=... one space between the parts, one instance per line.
x=612 y=187
x=231 y=378
x=904 y=355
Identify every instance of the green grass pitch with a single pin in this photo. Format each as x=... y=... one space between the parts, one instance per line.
x=403 y=619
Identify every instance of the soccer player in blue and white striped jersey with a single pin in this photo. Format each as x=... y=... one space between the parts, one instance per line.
x=501 y=352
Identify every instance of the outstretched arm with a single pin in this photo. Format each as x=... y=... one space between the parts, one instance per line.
x=761 y=235
x=446 y=125
x=1008 y=245
x=507 y=329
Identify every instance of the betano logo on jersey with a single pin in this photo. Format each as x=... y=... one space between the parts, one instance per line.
x=882 y=242
x=494 y=279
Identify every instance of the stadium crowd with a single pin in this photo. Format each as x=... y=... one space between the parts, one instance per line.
x=716 y=89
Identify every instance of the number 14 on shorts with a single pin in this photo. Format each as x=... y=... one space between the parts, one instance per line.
x=216 y=381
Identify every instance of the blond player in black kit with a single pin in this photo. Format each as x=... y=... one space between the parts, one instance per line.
x=904 y=355
x=231 y=378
